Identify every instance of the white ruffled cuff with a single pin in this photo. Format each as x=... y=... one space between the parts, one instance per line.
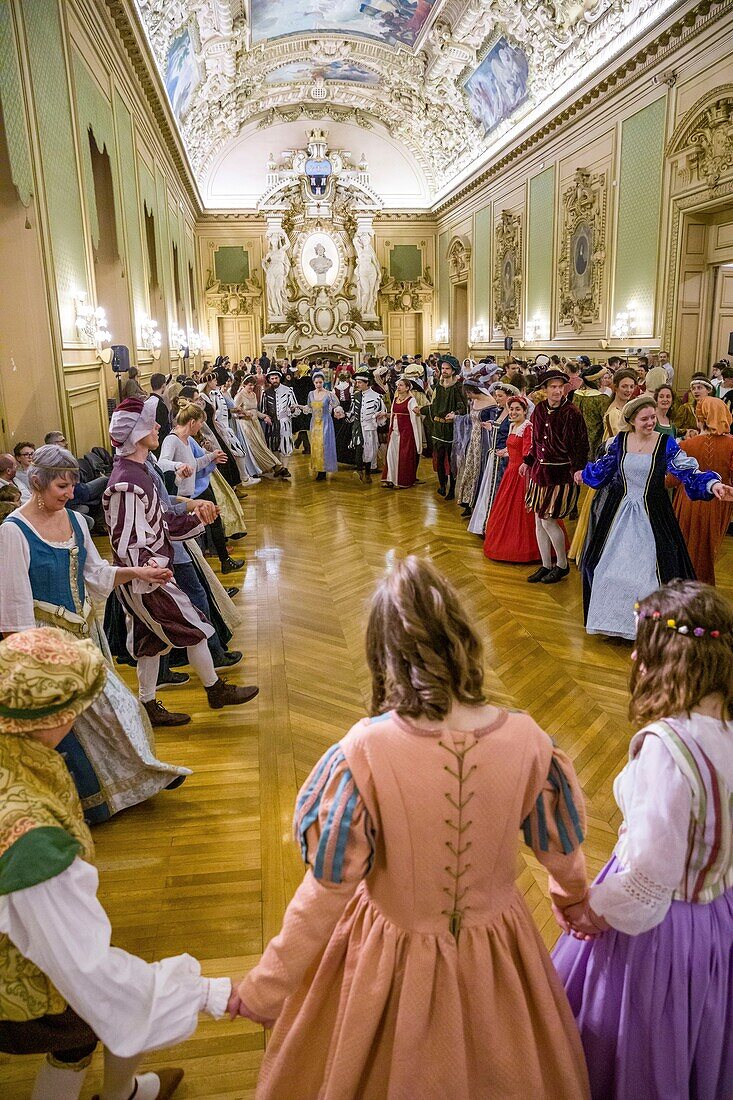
x=215 y=997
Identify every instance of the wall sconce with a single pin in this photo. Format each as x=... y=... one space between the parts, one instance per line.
x=537 y=330
x=195 y=342
x=150 y=337
x=624 y=326
x=480 y=333
x=442 y=334
x=91 y=323
x=178 y=340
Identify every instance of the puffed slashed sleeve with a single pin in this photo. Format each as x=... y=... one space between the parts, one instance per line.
x=604 y=469
x=16 y=595
x=99 y=575
x=657 y=823
x=554 y=828
x=337 y=839
x=697 y=483
x=527 y=441
x=133 y=1006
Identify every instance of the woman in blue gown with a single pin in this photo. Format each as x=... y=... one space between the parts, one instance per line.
x=637 y=544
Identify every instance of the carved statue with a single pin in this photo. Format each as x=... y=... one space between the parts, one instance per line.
x=276 y=264
x=367 y=274
x=321 y=264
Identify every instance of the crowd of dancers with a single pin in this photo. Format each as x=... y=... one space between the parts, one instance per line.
x=405 y=966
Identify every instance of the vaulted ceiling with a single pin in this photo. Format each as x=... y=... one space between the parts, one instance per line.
x=429 y=87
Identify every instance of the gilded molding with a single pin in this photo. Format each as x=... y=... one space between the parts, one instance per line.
x=583 y=250
x=702 y=144
x=507 y=281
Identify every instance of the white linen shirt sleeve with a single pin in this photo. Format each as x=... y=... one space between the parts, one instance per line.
x=16 y=596
x=657 y=821
x=131 y=1005
x=99 y=575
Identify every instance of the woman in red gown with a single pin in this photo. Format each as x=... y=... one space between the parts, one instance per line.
x=405 y=441
x=510 y=531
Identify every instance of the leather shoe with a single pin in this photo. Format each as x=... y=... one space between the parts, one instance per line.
x=223 y=694
x=556 y=574
x=538 y=575
x=169 y=1079
x=238 y=535
x=229 y=658
x=159 y=716
x=231 y=566
x=166 y=679
x=441 y=491
x=231 y=592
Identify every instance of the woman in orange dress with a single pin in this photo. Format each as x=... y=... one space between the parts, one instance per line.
x=704 y=523
x=408 y=964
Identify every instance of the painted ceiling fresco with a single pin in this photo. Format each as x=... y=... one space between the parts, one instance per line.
x=392 y=21
x=311 y=70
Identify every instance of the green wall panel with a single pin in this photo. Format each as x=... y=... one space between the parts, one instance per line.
x=132 y=204
x=639 y=206
x=11 y=95
x=481 y=263
x=443 y=280
x=405 y=263
x=56 y=140
x=94 y=113
x=231 y=264
x=540 y=235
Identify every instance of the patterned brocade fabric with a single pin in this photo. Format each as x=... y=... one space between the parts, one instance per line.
x=41 y=831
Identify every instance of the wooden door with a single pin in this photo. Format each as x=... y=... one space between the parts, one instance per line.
x=237 y=337
x=405 y=334
x=722 y=319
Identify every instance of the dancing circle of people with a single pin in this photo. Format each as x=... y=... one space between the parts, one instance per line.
x=408 y=964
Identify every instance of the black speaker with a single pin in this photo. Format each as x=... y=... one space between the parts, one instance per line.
x=508 y=343
x=120 y=358
x=730 y=344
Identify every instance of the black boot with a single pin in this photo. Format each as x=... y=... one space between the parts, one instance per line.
x=451 y=494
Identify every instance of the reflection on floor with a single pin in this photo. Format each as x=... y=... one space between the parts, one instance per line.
x=209 y=868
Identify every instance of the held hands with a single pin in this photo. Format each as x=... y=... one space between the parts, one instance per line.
x=450 y=416
x=237 y=1007
x=205 y=510
x=523 y=470
x=580 y=921
x=721 y=491
x=219 y=457
x=184 y=470
x=578 y=477
x=154 y=574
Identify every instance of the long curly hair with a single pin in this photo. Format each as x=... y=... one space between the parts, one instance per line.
x=672 y=672
x=422 y=651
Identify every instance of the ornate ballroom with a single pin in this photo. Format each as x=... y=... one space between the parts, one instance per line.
x=351 y=186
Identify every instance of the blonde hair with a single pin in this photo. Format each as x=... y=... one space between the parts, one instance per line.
x=189 y=411
x=672 y=672
x=422 y=651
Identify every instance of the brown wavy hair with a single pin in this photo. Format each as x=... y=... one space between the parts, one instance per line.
x=672 y=672
x=422 y=651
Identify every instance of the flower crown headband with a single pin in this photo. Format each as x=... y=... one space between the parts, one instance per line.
x=671 y=624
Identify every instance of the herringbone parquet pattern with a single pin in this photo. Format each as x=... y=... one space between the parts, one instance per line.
x=209 y=868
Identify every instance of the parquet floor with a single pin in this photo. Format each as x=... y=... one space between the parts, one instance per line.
x=209 y=868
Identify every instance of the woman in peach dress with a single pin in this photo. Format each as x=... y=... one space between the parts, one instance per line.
x=408 y=965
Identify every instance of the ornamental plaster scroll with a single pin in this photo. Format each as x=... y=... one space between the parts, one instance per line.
x=406 y=296
x=233 y=299
x=702 y=144
x=507 y=280
x=583 y=250
x=459 y=259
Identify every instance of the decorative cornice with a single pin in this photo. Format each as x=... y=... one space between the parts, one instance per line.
x=682 y=31
x=126 y=22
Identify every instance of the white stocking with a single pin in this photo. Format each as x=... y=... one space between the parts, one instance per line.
x=54 y=1083
x=199 y=658
x=556 y=536
x=544 y=543
x=147 y=677
x=120 y=1080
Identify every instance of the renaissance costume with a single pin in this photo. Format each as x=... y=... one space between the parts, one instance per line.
x=495 y=426
x=278 y=402
x=593 y=406
x=110 y=752
x=448 y=398
x=652 y=996
x=388 y=978
x=510 y=529
x=250 y=427
x=637 y=543
x=404 y=444
x=62 y=985
x=559 y=449
x=368 y=410
x=322 y=434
